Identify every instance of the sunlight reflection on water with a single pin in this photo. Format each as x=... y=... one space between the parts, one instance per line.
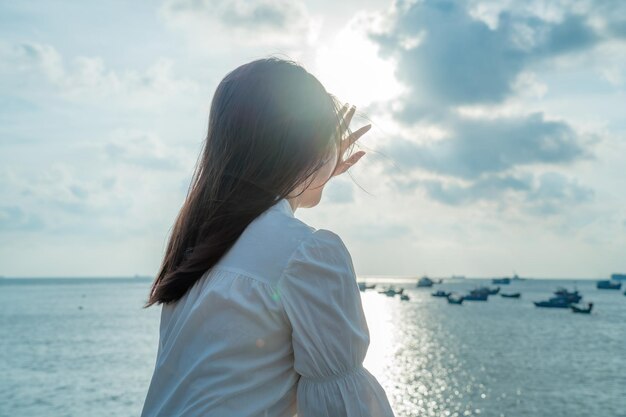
x=423 y=374
x=500 y=358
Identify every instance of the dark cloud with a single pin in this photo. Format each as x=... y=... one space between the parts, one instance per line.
x=570 y=35
x=618 y=29
x=459 y=59
x=447 y=57
x=479 y=146
x=547 y=194
x=488 y=188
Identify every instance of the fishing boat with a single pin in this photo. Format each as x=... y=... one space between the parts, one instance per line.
x=511 y=295
x=391 y=291
x=608 y=285
x=476 y=295
x=404 y=297
x=554 y=302
x=618 y=277
x=364 y=286
x=440 y=293
x=455 y=299
x=493 y=291
x=425 y=282
x=580 y=309
x=504 y=281
x=571 y=296
x=487 y=290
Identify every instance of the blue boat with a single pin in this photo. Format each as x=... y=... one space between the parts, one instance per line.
x=440 y=293
x=364 y=286
x=504 y=281
x=572 y=296
x=425 y=282
x=391 y=291
x=580 y=309
x=476 y=295
x=511 y=295
x=493 y=291
x=554 y=302
x=455 y=299
x=608 y=285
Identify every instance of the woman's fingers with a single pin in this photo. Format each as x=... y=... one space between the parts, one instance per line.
x=344 y=109
x=346 y=115
x=354 y=137
x=345 y=165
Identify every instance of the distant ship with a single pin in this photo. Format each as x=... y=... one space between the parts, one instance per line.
x=425 y=282
x=504 y=280
x=618 y=277
x=608 y=285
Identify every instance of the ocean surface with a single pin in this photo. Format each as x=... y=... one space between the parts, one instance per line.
x=85 y=347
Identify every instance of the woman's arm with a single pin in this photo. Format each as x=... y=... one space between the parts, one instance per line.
x=330 y=336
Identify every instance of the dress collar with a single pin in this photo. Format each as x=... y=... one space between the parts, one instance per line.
x=283 y=206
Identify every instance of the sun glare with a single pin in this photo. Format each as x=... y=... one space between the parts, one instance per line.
x=350 y=68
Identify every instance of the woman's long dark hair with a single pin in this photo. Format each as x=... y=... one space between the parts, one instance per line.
x=272 y=125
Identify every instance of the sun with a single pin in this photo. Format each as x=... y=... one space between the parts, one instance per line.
x=350 y=68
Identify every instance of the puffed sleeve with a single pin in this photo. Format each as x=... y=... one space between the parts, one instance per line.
x=330 y=336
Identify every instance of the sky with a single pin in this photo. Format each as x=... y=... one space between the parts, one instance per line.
x=498 y=143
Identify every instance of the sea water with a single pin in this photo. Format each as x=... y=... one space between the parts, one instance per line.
x=85 y=347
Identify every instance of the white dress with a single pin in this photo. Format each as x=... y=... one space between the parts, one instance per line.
x=275 y=328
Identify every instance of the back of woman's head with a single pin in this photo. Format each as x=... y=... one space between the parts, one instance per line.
x=272 y=125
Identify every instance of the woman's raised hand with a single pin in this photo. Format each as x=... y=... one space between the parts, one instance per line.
x=346 y=113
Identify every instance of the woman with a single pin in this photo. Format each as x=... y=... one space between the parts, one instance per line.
x=261 y=313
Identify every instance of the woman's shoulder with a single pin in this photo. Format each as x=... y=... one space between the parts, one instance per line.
x=321 y=248
x=265 y=246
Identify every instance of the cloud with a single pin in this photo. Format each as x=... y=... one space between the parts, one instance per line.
x=250 y=23
x=461 y=63
x=32 y=66
x=111 y=182
x=489 y=188
x=549 y=193
x=448 y=57
x=137 y=147
x=14 y=218
x=555 y=192
x=478 y=146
